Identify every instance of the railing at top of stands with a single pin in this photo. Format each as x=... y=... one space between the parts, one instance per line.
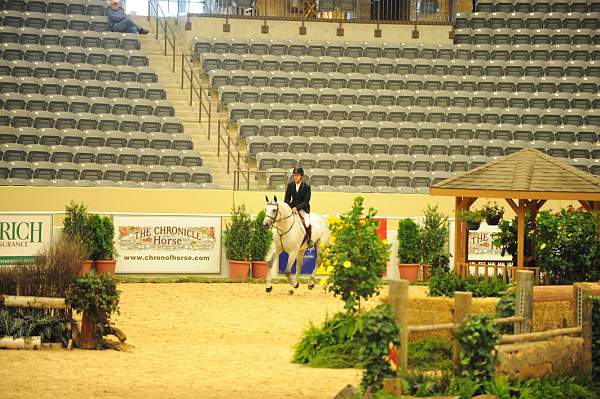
x=162 y=24
x=205 y=108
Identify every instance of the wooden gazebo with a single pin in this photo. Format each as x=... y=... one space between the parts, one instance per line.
x=526 y=180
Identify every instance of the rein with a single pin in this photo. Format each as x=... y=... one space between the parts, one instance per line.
x=275 y=221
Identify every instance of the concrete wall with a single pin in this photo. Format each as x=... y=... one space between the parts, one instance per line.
x=558 y=356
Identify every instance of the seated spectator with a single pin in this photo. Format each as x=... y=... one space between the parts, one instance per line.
x=119 y=22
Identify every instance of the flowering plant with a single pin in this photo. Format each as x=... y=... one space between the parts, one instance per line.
x=355 y=256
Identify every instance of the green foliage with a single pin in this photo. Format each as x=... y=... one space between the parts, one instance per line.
x=75 y=223
x=596 y=338
x=260 y=238
x=420 y=384
x=443 y=283
x=478 y=335
x=469 y=216
x=235 y=236
x=379 y=333
x=568 y=245
x=27 y=322
x=355 y=256
x=100 y=238
x=506 y=308
x=434 y=239
x=409 y=242
x=499 y=387
x=492 y=213
x=431 y=353
x=333 y=345
x=506 y=238
x=95 y=293
x=556 y=388
x=464 y=387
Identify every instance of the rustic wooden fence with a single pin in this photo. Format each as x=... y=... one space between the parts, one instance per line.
x=503 y=269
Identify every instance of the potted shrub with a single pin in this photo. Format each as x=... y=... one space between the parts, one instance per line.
x=471 y=218
x=100 y=242
x=492 y=213
x=236 y=242
x=259 y=241
x=95 y=295
x=409 y=249
x=75 y=229
x=434 y=235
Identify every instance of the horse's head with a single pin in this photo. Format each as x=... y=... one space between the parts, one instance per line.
x=271 y=211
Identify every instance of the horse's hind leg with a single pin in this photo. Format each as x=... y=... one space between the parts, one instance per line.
x=299 y=264
x=311 y=280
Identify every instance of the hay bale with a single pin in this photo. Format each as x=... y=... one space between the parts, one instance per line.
x=551 y=315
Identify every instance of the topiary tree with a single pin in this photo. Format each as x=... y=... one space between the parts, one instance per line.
x=75 y=223
x=434 y=239
x=355 y=256
x=236 y=237
x=100 y=237
x=409 y=242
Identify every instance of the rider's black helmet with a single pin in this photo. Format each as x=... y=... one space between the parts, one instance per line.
x=298 y=171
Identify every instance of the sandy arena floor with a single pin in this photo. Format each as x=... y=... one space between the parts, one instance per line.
x=191 y=341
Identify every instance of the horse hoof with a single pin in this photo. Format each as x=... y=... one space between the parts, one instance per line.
x=269 y=289
x=296 y=285
x=290 y=292
x=311 y=286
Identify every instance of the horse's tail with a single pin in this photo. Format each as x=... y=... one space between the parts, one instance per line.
x=325 y=233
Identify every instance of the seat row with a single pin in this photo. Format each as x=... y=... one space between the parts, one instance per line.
x=526 y=36
x=40 y=20
x=533 y=20
x=377 y=113
x=384 y=162
x=72 y=55
x=95 y=172
x=527 y=52
x=101 y=155
x=80 y=104
x=81 y=7
x=104 y=183
x=63 y=70
x=416 y=146
x=87 y=88
x=318 y=80
x=96 y=138
x=401 y=66
x=69 y=38
x=88 y=121
x=423 y=130
x=543 y=6
x=422 y=98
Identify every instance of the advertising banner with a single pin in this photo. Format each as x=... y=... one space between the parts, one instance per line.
x=168 y=244
x=481 y=245
x=23 y=235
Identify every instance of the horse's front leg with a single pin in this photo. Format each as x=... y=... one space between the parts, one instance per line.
x=273 y=259
x=312 y=279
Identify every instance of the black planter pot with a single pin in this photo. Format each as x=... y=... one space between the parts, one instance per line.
x=493 y=220
x=473 y=225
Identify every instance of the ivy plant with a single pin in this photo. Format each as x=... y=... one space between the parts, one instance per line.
x=355 y=256
x=380 y=332
x=478 y=336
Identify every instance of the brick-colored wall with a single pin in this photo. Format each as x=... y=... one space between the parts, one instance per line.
x=558 y=356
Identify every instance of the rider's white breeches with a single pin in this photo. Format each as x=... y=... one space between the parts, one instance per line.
x=306 y=217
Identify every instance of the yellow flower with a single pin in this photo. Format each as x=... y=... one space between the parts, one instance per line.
x=347 y=264
x=329 y=269
x=385 y=242
x=332 y=240
x=543 y=246
x=321 y=244
x=323 y=281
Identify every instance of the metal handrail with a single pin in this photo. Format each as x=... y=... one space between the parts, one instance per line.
x=202 y=97
x=170 y=33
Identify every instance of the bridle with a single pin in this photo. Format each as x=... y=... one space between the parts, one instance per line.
x=275 y=221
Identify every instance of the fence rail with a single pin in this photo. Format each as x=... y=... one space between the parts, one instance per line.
x=494 y=268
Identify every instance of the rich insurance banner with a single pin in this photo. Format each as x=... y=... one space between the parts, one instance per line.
x=23 y=235
x=168 y=244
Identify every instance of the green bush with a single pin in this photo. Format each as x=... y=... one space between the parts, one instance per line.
x=568 y=245
x=380 y=332
x=100 y=238
x=95 y=293
x=260 y=238
x=446 y=283
x=478 y=336
x=596 y=338
x=506 y=308
x=434 y=235
x=506 y=238
x=431 y=353
x=236 y=239
x=409 y=242
x=355 y=256
x=28 y=322
x=75 y=222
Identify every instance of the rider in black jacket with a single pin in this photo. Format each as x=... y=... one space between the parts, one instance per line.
x=297 y=196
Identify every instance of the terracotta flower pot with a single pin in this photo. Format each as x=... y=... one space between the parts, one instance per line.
x=239 y=270
x=87 y=338
x=260 y=269
x=85 y=267
x=106 y=266
x=409 y=271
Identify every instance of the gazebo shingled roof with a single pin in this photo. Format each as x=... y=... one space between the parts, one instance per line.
x=530 y=176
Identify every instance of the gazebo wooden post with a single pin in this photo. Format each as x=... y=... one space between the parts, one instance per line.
x=461 y=234
x=521 y=234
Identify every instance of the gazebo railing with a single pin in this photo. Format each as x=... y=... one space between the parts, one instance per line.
x=503 y=269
